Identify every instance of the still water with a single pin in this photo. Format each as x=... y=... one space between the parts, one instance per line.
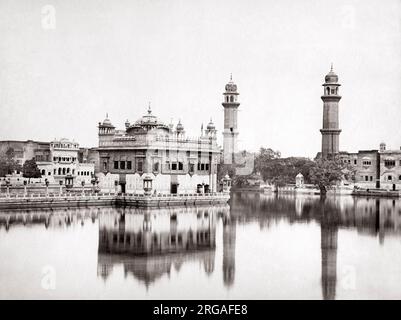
x=256 y=247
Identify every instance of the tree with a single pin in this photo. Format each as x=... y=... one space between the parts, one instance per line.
x=281 y=171
x=325 y=173
x=263 y=158
x=223 y=169
x=7 y=163
x=30 y=170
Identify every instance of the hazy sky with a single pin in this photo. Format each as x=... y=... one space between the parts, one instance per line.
x=59 y=77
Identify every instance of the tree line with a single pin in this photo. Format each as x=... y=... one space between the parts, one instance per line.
x=278 y=171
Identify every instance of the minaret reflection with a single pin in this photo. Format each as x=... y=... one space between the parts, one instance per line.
x=328 y=244
x=229 y=238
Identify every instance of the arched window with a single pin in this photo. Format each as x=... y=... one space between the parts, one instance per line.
x=231 y=98
x=327 y=91
x=63 y=171
x=59 y=171
x=43 y=172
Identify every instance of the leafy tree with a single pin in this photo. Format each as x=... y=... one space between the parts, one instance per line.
x=30 y=170
x=7 y=163
x=325 y=173
x=264 y=156
x=281 y=171
x=240 y=181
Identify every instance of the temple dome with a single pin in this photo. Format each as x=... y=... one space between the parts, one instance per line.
x=147 y=122
x=148 y=118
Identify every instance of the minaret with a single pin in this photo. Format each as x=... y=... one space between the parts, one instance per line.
x=330 y=131
x=230 y=132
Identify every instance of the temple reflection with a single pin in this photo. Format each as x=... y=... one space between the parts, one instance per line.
x=148 y=243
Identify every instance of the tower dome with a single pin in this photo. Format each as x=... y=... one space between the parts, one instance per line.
x=331 y=77
x=231 y=86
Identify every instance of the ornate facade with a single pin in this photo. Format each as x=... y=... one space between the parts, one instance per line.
x=150 y=148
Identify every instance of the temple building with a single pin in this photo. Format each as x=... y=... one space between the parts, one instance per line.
x=150 y=148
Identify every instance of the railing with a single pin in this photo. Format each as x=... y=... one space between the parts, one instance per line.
x=108 y=196
x=55 y=196
x=174 y=195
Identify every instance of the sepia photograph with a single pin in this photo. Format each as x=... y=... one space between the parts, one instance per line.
x=177 y=150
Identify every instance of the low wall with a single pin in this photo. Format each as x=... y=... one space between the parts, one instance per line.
x=135 y=200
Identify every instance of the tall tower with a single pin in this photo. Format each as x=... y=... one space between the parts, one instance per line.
x=230 y=133
x=330 y=131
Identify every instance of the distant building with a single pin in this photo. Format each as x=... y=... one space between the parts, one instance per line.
x=365 y=163
x=390 y=168
x=375 y=168
x=151 y=148
x=57 y=160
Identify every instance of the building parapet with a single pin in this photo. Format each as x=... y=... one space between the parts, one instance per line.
x=158 y=142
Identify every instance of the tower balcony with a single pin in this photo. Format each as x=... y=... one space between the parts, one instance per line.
x=333 y=97
x=330 y=131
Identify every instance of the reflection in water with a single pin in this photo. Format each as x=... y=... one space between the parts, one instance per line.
x=149 y=242
x=229 y=234
x=372 y=216
x=49 y=218
x=328 y=244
